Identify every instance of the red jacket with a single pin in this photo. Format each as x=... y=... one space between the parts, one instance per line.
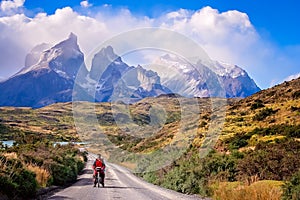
x=99 y=163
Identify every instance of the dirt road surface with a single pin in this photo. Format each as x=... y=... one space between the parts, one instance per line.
x=120 y=183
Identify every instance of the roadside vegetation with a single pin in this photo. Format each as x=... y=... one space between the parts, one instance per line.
x=34 y=162
x=257 y=155
x=270 y=170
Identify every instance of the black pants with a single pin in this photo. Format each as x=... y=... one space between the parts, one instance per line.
x=102 y=175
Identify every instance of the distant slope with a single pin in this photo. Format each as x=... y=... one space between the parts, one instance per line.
x=279 y=105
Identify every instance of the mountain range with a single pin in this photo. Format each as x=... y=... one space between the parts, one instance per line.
x=50 y=74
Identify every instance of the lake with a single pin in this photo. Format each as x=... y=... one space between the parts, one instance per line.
x=8 y=143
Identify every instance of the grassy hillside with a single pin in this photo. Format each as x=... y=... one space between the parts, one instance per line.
x=259 y=141
x=54 y=122
x=272 y=114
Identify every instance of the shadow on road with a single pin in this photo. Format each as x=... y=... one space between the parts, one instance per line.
x=86 y=171
x=84 y=181
x=111 y=179
x=59 y=197
x=120 y=187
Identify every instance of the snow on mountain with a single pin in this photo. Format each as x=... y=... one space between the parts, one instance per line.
x=182 y=77
x=49 y=80
x=147 y=78
x=177 y=62
x=33 y=57
x=225 y=69
x=197 y=79
x=62 y=58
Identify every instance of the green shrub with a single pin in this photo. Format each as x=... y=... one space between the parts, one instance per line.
x=185 y=180
x=296 y=95
x=291 y=189
x=238 y=141
x=26 y=184
x=193 y=174
x=21 y=184
x=151 y=177
x=280 y=129
x=295 y=108
x=65 y=171
x=264 y=113
x=271 y=161
x=7 y=186
x=80 y=166
x=61 y=174
x=257 y=104
x=63 y=162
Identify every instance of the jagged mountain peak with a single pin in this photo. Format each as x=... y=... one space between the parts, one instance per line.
x=105 y=61
x=148 y=73
x=33 y=57
x=180 y=75
x=64 y=58
x=52 y=58
x=225 y=69
x=72 y=36
x=108 y=50
x=108 y=54
x=173 y=62
x=49 y=80
x=172 y=57
x=70 y=42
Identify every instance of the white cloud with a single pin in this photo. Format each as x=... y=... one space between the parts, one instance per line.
x=19 y=34
x=221 y=34
x=8 y=5
x=85 y=4
x=227 y=36
x=291 y=77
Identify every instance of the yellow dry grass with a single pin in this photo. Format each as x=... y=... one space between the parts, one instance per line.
x=261 y=190
x=11 y=155
x=42 y=175
x=128 y=165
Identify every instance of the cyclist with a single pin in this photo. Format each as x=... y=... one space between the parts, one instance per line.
x=99 y=162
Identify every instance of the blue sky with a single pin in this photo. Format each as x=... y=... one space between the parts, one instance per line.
x=270 y=53
x=278 y=20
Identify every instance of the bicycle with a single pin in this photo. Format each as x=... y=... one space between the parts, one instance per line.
x=99 y=179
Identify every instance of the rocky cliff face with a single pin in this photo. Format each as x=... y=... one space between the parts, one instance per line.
x=117 y=81
x=48 y=81
x=34 y=55
x=197 y=79
x=235 y=80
